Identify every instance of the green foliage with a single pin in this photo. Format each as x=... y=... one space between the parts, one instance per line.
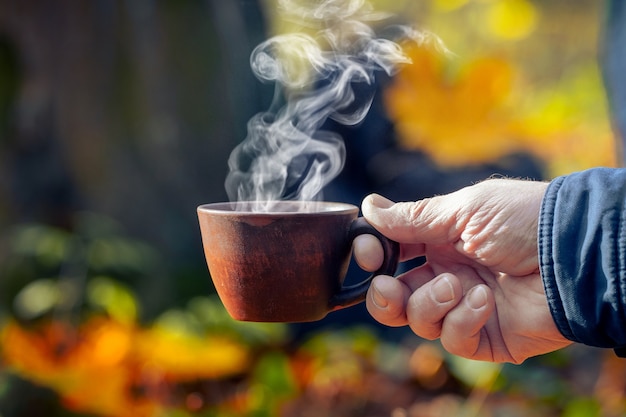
x=474 y=374
x=207 y=315
x=49 y=270
x=582 y=407
x=113 y=298
x=272 y=384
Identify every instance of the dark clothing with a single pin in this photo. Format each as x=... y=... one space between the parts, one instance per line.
x=614 y=66
x=582 y=255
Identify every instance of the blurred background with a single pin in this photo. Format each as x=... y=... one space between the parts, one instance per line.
x=116 y=121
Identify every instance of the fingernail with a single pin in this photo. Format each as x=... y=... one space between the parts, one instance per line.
x=379 y=201
x=477 y=298
x=442 y=290
x=378 y=299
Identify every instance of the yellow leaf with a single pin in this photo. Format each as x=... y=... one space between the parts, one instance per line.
x=511 y=19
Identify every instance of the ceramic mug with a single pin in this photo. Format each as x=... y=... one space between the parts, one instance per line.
x=287 y=264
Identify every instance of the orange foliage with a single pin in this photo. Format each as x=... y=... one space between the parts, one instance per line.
x=87 y=367
x=116 y=369
x=456 y=120
x=479 y=113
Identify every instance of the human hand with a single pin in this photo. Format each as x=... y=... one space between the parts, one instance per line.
x=480 y=290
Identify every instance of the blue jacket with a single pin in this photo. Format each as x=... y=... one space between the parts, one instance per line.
x=582 y=255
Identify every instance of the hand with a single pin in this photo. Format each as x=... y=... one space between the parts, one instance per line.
x=479 y=290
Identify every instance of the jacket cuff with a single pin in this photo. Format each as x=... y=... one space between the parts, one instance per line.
x=582 y=255
x=546 y=262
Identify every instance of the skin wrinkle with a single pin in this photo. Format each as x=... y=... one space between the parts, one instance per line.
x=503 y=295
x=487 y=344
x=415 y=213
x=501 y=345
x=473 y=241
x=422 y=212
x=501 y=223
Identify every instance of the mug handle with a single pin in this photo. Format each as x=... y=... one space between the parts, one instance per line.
x=354 y=294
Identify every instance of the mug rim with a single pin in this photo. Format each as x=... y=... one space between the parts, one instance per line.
x=312 y=208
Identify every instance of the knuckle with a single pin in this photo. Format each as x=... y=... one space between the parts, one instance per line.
x=425 y=331
x=453 y=346
x=425 y=320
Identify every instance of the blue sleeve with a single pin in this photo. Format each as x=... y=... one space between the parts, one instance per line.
x=582 y=255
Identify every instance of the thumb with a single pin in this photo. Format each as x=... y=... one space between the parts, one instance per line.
x=431 y=220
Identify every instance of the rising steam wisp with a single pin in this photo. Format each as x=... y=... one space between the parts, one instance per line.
x=285 y=155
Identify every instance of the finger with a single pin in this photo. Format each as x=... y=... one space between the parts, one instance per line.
x=386 y=300
x=368 y=252
x=429 y=304
x=463 y=328
x=431 y=220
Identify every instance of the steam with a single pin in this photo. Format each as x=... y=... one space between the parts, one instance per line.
x=286 y=156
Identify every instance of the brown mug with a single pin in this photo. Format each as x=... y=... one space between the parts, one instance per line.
x=287 y=264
